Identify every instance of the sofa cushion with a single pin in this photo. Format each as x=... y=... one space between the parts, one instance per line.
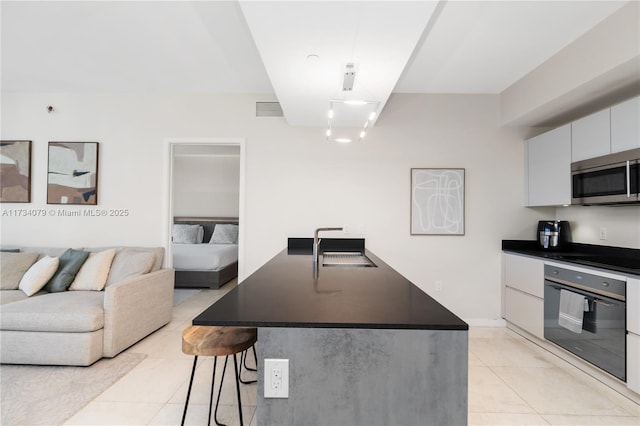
x=9 y=296
x=158 y=253
x=13 y=267
x=129 y=263
x=70 y=263
x=94 y=272
x=44 y=251
x=69 y=311
x=38 y=274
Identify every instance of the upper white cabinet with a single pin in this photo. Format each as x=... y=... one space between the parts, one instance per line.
x=548 y=168
x=591 y=136
x=625 y=125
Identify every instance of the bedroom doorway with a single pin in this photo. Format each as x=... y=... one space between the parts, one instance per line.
x=205 y=187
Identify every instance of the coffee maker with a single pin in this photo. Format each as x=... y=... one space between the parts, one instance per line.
x=553 y=234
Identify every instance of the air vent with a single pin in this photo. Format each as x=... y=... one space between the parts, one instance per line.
x=268 y=109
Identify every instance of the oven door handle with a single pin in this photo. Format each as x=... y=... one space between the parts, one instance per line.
x=602 y=302
x=628 y=179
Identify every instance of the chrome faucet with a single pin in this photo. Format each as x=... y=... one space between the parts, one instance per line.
x=316 y=241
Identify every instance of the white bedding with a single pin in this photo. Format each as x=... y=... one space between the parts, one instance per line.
x=201 y=257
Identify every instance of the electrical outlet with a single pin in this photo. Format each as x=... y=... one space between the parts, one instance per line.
x=276 y=378
x=603 y=233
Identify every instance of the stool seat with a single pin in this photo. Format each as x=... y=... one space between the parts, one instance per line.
x=217 y=341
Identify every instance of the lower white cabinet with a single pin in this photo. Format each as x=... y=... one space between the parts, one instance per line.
x=633 y=362
x=523 y=280
x=525 y=310
x=524 y=273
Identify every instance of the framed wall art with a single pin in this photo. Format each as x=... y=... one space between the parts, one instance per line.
x=437 y=201
x=72 y=176
x=15 y=171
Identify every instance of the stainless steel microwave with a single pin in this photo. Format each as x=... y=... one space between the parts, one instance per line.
x=607 y=180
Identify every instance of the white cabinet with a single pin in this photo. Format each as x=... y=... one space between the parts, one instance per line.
x=524 y=293
x=633 y=305
x=591 y=136
x=633 y=362
x=525 y=311
x=625 y=125
x=525 y=274
x=633 y=334
x=548 y=168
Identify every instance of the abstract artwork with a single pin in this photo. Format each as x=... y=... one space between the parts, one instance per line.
x=15 y=171
x=437 y=201
x=73 y=173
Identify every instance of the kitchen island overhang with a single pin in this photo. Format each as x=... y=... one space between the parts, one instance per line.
x=365 y=345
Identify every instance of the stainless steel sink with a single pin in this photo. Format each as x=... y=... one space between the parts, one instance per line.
x=346 y=258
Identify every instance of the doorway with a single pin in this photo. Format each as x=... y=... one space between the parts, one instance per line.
x=205 y=178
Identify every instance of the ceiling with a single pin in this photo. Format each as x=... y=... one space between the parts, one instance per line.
x=263 y=47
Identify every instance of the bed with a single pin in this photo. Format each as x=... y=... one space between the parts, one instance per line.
x=204 y=264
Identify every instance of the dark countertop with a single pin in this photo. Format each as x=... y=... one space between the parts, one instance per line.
x=616 y=259
x=284 y=293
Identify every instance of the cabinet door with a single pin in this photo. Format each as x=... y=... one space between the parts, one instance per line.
x=549 y=168
x=525 y=311
x=625 y=125
x=525 y=274
x=633 y=362
x=591 y=136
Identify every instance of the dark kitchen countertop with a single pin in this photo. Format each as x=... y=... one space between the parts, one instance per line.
x=616 y=259
x=284 y=293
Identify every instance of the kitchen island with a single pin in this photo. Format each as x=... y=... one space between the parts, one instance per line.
x=365 y=346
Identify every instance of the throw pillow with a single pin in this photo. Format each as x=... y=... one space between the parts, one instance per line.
x=38 y=275
x=13 y=267
x=186 y=234
x=224 y=234
x=94 y=272
x=70 y=263
x=128 y=264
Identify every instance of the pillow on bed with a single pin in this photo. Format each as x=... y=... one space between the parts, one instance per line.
x=187 y=234
x=224 y=234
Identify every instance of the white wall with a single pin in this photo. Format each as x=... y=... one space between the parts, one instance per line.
x=295 y=181
x=206 y=185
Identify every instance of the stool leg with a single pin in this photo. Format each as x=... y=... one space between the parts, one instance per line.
x=243 y=356
x=215 y=415
x=254 y=357
x=186 y=404
x=235 y=365
x=213 y=382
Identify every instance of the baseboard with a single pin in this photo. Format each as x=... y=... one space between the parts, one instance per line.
x=485 y=322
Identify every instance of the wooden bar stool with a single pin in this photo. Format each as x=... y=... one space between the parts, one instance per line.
x=217 y=341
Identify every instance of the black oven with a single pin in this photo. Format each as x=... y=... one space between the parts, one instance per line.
x=611 y=179
x=598 y=335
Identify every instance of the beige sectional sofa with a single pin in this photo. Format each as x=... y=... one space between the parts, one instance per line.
x=80 y=327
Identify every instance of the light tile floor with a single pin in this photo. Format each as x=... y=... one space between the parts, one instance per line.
x=511 y=382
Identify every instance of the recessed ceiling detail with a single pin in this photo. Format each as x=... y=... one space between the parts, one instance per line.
x=377 y=36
